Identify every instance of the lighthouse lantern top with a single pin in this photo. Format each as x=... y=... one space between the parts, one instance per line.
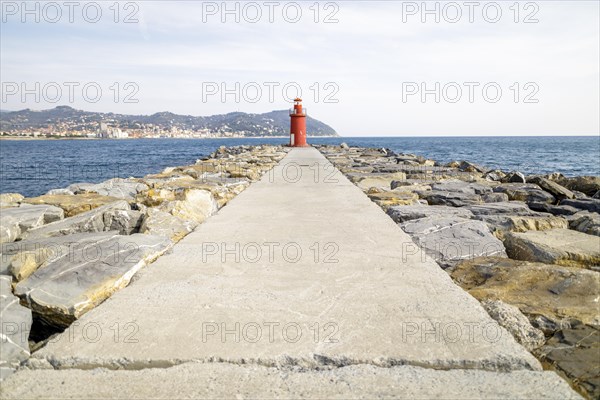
x=297 y=100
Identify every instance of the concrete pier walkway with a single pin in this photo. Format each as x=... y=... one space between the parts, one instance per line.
x=299 y=287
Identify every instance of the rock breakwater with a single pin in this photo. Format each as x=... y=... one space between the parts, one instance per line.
x=65 y=252
x=526 y=246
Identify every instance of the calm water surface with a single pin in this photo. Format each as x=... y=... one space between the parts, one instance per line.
x=32 y=167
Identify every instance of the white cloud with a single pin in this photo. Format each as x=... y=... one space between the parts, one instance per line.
x=368 y=54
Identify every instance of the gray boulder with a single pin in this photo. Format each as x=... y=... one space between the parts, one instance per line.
x=514 y=177
x=126 y=222
x=191 y=205
x=119 y=188
x=558 y=191
x=500 y=224
x=161 y=223
x=527 y=192
x=8 y=200
x=449 y=240
x=509 y=208
x=586 y=184
x=461 y=187
x=494 y=197
x=467 y=166
x=592 y=205
x=380 y=180
x=89 y=221
x=574 y=352
x=555 y=246
x=513 y=320
x=412 y=184
x=79 y=187
x=454 y=199
x=580 y=195
x=22 y=258
x=494 y=176
x=60 y=192
x=16 y=221
x=16 y=325
x=552 y=209
x=556 y=293
x=586 y=222
x=69 y=286
x=407 y=213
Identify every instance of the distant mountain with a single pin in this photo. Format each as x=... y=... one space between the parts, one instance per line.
x=274 y=123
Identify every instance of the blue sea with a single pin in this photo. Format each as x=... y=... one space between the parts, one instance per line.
x=32 y=167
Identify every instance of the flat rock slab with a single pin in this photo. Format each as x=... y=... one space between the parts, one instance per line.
x=575 y=351
x=510 y=208
x=103 y=218
x=407 y=213
x=16 y=324
x=453 y=199
x=191 y=205
x=511 y=318
x=555 y=246
x=555 y=292
x=161 y=223
x=337 y=288
x=119 y=188
x=217 y=380
x=88 y=273
x=20 y=259
x=15 y=221
x=500 y=224
x=461 y=187
x=388 y=198
x=8 y=200
x=558 y=191
x=586 y=222
x=552 y=209
x=72 y=204
x=450 y=240
x=380 y=180
x=592 y=205
x=586 y=184
x=525 y=192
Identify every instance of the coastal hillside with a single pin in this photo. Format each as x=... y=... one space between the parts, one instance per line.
x=63 y=119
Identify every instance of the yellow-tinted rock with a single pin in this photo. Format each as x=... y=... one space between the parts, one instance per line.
x=68 y=287
x=161 y=223
x=191 y=205
x=27 y=262
x=168 y=174
x=10 y=199
x=155 y=197
x=243 y=171
x=198 y=170
x=501 y=224
x=552 y=291
x=73 y=204
x=377 y=180
x=387 y=199
x=555 y=246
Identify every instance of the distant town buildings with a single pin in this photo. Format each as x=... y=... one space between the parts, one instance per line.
x=106 y=131
x=64 y=121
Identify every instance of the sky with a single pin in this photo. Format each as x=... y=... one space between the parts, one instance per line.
x=367 y=68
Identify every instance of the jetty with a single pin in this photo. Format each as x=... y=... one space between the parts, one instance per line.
x=300 y=287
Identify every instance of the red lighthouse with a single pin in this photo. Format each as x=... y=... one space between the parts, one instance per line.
x=298 y=124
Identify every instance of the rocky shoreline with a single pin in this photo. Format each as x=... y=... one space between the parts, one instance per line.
x=65 y=252
x=527 y=247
